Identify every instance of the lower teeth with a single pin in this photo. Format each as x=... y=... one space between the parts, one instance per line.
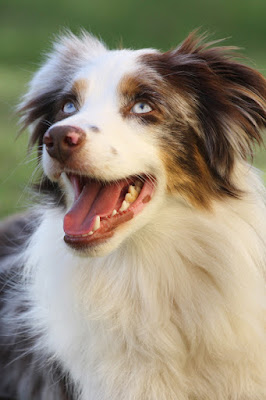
x=97 y=224
x=124 y=206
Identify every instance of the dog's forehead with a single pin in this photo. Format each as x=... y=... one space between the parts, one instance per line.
x=108 y=69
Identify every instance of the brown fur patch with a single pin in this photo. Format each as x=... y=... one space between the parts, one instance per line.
x=79 y=89
x=189 y=175
x=215 y=110
x=131 y=90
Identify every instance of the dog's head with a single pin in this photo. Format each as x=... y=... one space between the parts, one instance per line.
x=119 y=131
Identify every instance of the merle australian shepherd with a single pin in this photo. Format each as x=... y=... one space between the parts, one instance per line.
x=141 y=273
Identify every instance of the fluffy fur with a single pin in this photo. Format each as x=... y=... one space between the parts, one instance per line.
x=172 y=306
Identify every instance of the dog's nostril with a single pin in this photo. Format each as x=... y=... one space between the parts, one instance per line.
x=72 y=139
x=48 y=140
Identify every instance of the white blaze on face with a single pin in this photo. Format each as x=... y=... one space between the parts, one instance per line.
x=119 y=147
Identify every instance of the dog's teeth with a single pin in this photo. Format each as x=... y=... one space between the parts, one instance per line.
x=97 y=224
x=130 y=198
x=124 y=206
x=132 y=194
x=132 y=191
x=138 y=186
x=113 y=213
x=90 y=233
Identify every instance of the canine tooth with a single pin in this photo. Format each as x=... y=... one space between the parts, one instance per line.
x=90 y=233
x=130 y=198
x=97 y=224
x=113 y=213
x=124 y=206
x=132 y=191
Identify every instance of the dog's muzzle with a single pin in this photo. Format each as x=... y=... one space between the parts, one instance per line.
x=62 y=141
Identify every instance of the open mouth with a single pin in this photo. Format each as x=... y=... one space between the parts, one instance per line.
x=100 y=207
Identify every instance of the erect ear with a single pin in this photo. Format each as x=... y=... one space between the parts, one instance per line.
x=227 y=98
x=69 y=53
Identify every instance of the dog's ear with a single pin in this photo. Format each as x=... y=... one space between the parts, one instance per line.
x=226 y=98
x=230 y=97
x=69 y=53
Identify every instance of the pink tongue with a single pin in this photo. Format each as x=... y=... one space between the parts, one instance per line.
x=93 y=200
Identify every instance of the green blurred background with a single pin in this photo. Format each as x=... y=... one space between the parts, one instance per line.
x=27 y=28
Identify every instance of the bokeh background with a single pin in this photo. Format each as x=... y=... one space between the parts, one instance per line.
x=27 y=27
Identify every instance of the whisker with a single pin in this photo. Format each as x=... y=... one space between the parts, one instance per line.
x=46 y=122
x=30 y=160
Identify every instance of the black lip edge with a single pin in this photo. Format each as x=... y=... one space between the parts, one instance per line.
x=80 y=243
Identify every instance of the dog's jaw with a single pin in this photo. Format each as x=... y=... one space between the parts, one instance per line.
x=103 y=233
x=125 y=217
x=99 y=208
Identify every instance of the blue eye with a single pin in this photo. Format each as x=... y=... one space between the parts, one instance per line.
x=69 y=108
x=141 y=108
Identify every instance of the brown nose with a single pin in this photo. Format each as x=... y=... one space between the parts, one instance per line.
x=62 y=141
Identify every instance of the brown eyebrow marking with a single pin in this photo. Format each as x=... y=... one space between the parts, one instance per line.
x=79 y=88
x=131 y=87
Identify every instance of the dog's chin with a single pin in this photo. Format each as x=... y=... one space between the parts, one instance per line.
x=98 y=249
x=107 y=246
x=104 y=213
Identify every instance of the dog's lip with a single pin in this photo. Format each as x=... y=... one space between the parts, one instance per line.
x=80 y=235
x=101 y=235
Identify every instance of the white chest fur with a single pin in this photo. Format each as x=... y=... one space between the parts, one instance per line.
x=183 y=295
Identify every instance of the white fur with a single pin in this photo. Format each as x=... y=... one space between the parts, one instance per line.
x=176 y=312
x=173 y=306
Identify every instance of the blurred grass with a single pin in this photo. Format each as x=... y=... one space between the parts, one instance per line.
x=27 y=27
x=14 y=169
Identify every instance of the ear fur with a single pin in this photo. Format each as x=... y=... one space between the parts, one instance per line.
x=227 y=98
x=69 y=53
x=231 y=101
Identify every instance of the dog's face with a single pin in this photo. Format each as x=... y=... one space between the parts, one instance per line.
x=119 y=131
x=103 y=152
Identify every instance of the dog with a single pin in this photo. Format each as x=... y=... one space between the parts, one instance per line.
x=140 y=274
